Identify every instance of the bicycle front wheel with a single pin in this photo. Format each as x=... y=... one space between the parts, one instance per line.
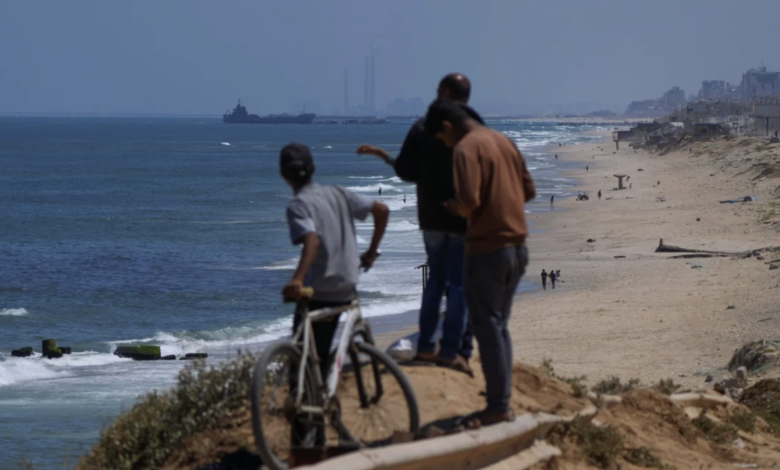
x=276 y=424
x=376 y=399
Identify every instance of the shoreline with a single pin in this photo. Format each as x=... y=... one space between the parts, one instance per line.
x=643 y=315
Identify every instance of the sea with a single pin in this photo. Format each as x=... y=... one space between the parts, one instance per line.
x=172 y=232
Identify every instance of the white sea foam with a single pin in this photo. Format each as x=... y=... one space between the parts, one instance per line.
x=21 y=369
x=402 y=226
x=374 y=188
x=13 y=312
x=286 y=265
x=86 y=359
x=229 y=337
x=389 y=308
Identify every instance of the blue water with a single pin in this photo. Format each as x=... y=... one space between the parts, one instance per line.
x=154 y=231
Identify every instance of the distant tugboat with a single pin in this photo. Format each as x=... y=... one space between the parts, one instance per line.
x=239 y=115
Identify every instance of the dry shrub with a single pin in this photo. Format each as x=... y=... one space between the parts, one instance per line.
x=613 y=386
x=148 y=434
x=577 y=383
x=764 y=399
x=601 y=445
x=718 y=433
x=743 y=419
x=665 y=387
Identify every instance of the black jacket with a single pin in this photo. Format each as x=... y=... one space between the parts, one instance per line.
x=427 y=161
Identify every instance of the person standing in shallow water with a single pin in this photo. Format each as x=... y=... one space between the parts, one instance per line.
x=492 y=186
x=544 y=279
x=552 y=201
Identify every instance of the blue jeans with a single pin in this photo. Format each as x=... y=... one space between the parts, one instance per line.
x=445 y=270
x=491 y=280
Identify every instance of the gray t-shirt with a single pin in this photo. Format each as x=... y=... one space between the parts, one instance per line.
x=329 y=211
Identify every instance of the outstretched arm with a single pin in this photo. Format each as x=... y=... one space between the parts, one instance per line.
x=381 y=214
x=367 y=149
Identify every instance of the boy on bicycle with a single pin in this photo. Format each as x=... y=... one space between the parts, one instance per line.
x=321 y=218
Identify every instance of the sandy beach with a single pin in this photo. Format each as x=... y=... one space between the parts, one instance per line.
x=624 y=310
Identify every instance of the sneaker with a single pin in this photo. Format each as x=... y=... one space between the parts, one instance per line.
x=425 y=357
x=487 y=417
x=460 y=363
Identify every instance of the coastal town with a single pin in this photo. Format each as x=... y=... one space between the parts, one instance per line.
x=420 y=235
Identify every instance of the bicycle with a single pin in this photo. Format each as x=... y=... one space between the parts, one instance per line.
x=340 y=409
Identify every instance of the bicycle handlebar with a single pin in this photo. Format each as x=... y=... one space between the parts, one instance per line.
x=307 y=292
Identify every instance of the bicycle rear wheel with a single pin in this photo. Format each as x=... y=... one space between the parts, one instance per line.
x=276 y=425
x=376 y=399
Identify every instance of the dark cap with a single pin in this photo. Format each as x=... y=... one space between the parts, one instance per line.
x=296 y=159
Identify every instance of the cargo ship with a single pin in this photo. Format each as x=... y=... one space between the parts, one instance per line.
x=239 y=115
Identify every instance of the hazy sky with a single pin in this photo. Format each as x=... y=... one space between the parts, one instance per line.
x=198 y=57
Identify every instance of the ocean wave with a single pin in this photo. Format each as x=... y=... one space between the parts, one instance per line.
x=402 y=226
x=13 y=312
x=17 y=369
x=396 y=203
x=374 y=188
x=22 y=369
x=286 y=265
x=205 y=340
x=234 y=337
x=388 y=308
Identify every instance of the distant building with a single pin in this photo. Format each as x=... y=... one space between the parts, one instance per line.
x=759 y=82
x=644 y=108
x=713 y=89
x=673 y=99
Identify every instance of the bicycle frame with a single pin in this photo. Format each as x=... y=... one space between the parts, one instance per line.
x=354 y=319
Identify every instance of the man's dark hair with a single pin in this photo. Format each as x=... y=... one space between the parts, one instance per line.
x=444 y=110
x=458 y=85
x=296 y=163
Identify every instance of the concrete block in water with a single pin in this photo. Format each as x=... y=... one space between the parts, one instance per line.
x=26 y=351
x=192 y=356
x=139 y=353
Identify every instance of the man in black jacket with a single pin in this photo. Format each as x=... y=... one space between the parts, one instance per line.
x=427 y=161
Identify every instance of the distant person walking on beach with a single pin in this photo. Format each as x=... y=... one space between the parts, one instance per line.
x=552 y=201
x=586 y=168
x=321 y=218
x=599 y=194
x=427 y=161
x=492 y=185
x=553 y=278
x=544 y=279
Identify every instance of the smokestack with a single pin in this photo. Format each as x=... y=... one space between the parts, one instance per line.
x=367 y=87
x=346 y=91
